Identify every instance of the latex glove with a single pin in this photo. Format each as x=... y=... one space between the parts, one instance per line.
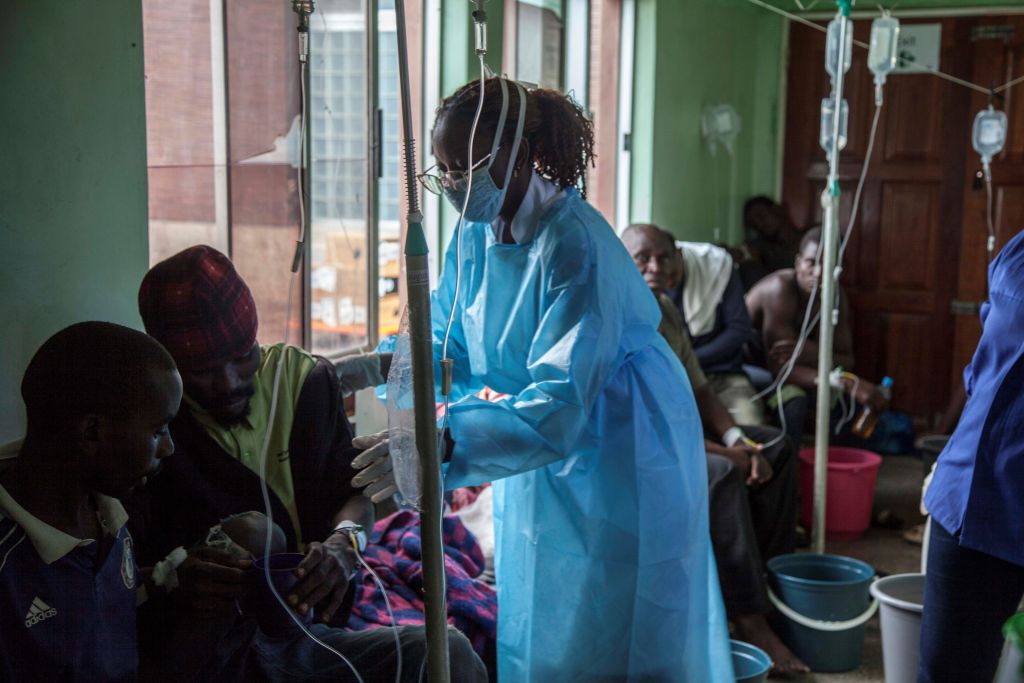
x=360 y=371
x=377 y=471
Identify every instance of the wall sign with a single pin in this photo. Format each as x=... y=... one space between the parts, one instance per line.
x=919 y=48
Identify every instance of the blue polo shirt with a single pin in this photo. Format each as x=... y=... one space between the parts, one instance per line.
x=977 y=490
x=67 y=605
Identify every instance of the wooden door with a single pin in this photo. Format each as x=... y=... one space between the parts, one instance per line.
x=900 y=270
x=998 y=58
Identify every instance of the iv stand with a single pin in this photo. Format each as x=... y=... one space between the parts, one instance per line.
x=421 y=345
x=826 y=326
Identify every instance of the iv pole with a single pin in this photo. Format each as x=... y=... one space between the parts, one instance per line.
x=421 y=345
x=826 y=326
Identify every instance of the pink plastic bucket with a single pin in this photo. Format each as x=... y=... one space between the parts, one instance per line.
x=851 y=490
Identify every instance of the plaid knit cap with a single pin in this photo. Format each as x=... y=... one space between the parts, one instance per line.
x=197 y=305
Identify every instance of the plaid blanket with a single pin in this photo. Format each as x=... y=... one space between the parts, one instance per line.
x=394 y=555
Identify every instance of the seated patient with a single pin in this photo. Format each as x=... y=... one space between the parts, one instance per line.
x=701 y=282
x=752 y=492
x=98 y=398
x=201 y=309
x=777 y=305
x=771 y=240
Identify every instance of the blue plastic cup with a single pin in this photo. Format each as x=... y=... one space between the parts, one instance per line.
x=272 y=617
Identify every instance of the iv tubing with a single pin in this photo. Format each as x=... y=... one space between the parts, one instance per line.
x=860 y=188
x=277 y=373
x=445 y=362
x=809 y=323
x=990 y=245
x=387 y=605
x=264 y=490
x=462 y=214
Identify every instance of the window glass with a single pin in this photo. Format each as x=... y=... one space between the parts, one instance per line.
x=223 y=133
x=222 y=137
x=263 y=95
x=340 y=133
x=180 y=70
x=539 y=29
x=391 y=187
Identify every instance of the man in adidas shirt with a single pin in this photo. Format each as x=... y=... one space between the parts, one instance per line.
x=98 y=399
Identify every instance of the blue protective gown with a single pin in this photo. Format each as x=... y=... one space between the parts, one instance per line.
x=603 y=558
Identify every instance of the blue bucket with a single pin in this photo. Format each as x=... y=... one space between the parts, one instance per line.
x=823 y=603
x=750 y=664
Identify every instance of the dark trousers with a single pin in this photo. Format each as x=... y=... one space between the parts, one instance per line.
x=372 y=653
x=795 y=410
x=750 y=525
x=968 y=596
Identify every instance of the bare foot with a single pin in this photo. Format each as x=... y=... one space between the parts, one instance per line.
x=914 y=534
x=754 y=629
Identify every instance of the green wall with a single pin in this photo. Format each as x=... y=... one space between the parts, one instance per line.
x=73 y=211
x=691 y=53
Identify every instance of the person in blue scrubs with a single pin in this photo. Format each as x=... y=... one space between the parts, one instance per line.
x=975 y=576
x=603 y=560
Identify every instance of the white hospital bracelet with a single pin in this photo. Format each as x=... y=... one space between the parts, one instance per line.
x=165 y=572
x=353 y=530
x=732 y=436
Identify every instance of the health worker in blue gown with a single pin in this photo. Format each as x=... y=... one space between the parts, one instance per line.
x=603 y=560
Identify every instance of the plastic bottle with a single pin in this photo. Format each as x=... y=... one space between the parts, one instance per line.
x=833 y=49
x=864 y=427
x=828 y=112
x=883 y=52
x=884 y=47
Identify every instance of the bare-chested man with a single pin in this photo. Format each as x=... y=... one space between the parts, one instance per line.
x=777 y=305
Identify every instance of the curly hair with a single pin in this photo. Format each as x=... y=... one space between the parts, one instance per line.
x=560 y=135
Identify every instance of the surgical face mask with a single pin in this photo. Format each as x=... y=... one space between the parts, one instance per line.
x=485 y=198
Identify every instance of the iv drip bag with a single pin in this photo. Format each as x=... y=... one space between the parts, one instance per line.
x=883 y=50
x=832 y=48
x=988 y=134
x=827 y=124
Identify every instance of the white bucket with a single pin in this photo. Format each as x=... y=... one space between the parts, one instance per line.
x=901 y=597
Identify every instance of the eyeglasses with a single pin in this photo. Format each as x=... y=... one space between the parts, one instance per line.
x=453 y=180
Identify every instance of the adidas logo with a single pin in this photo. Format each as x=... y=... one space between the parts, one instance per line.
x=37 y=612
